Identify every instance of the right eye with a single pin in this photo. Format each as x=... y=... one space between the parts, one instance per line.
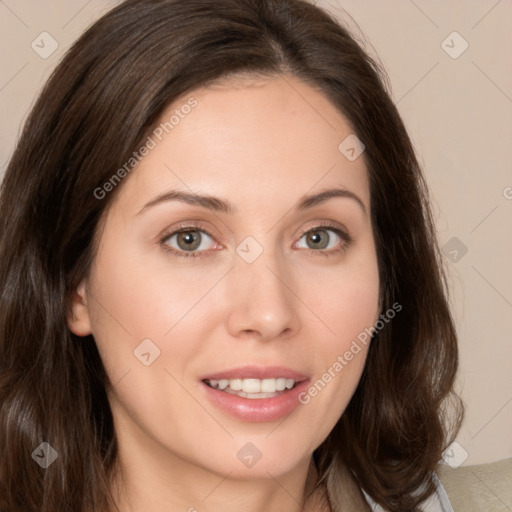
x=188 y=241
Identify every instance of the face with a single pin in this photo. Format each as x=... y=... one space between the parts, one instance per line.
x=261 y=284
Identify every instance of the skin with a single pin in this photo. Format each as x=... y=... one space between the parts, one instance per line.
x=261 y=144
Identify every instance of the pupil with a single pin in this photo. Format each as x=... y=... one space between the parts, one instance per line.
x=190 y=240
x=316 y=238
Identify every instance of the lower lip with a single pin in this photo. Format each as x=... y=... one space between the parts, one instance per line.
x=257 y=409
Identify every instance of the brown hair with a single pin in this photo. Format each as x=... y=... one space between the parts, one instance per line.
x=98 y=106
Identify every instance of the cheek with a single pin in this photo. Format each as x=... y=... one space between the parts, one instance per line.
x=135 y=298
x=142 y=290
x=344 y=297
x=346 y=304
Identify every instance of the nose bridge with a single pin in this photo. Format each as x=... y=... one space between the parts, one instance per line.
x=262 y=300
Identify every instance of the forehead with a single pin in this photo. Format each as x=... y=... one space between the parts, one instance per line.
x=253 y=139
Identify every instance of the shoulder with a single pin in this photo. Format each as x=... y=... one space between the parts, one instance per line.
x=438 y=502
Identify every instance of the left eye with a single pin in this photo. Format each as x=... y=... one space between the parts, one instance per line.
x=319 y=238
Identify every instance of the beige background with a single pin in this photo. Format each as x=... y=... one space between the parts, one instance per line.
x=459 y=114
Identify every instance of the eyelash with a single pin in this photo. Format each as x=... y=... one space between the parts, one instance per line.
x=345 y=237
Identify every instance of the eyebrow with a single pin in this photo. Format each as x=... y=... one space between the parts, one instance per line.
x=221 y=205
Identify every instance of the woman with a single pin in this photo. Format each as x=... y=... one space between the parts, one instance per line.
x=221 y=288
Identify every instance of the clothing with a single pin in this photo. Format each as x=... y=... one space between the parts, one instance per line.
x=438 y=502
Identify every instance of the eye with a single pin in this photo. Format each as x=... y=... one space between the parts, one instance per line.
x=195 y=241
x=325 y=239
x=188 y=241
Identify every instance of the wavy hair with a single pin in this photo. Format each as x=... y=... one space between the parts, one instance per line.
x=99 y=105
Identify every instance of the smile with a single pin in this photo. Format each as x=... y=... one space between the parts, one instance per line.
x=255 y=393
x=253 y=388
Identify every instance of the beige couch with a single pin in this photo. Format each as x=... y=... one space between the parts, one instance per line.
x=482 y=488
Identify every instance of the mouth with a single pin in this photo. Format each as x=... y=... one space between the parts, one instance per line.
x=255 y=393
x=253 y=388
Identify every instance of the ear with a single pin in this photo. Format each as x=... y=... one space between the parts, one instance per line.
x=79 y=321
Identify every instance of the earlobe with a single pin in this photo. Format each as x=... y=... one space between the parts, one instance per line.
x=79 y=318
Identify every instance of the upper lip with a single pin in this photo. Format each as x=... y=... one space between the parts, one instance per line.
x=257 y=372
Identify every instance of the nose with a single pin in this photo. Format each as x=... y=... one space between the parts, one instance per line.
x=260 y=299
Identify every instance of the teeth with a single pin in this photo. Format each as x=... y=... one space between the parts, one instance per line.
x=251 y=387
x=289 y=383
x=280 y=384
x=235 y=384
x=258 y=386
